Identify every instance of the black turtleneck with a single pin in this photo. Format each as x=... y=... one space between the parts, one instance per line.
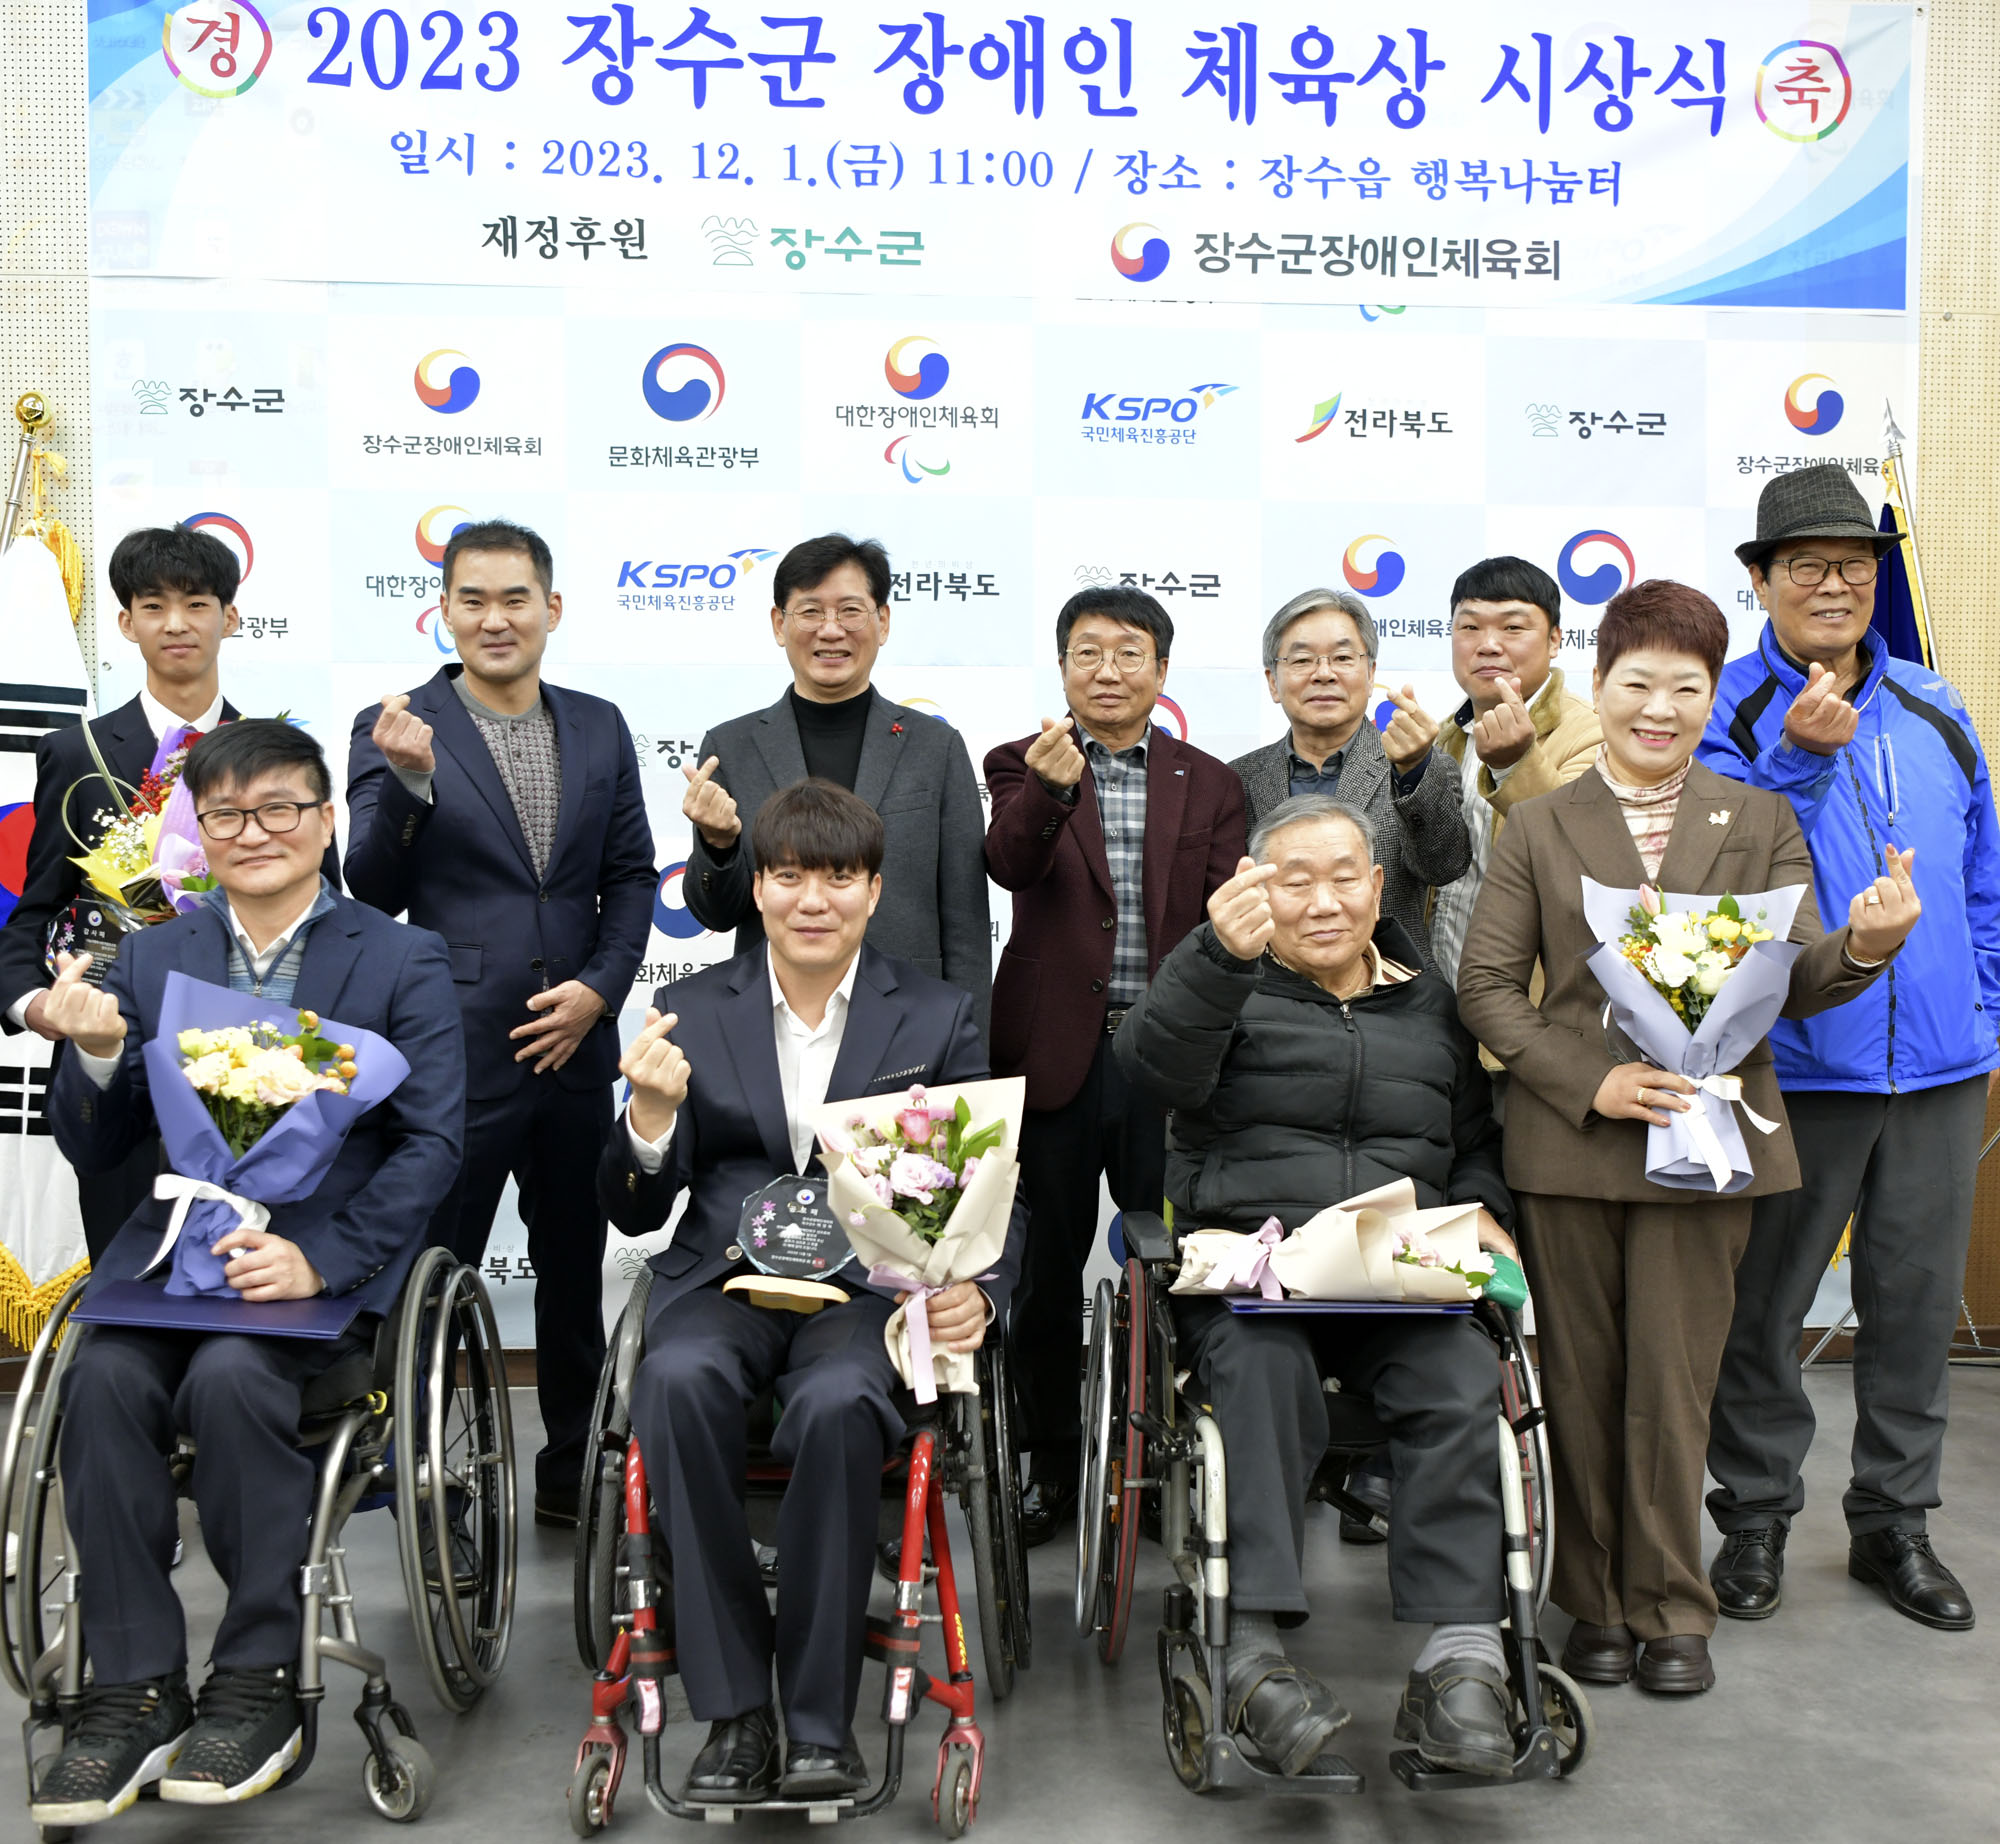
x=831 y=734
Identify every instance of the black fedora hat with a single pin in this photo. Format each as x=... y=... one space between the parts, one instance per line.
x=1811 y=502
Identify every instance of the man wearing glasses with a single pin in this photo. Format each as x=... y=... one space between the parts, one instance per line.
x=830 y=613
x=1319 y=662
x=1887 y=1094
x=1109 y=869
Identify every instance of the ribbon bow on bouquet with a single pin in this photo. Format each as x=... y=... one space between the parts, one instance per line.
x=1231 y=1261
x=916 y=1321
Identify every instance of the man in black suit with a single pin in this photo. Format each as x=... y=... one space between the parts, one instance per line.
x=718 y=1112
x=505 y=814
x=176 y=593
x=830 y=613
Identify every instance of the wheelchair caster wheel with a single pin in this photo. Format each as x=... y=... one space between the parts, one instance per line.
x=1185 y=1720
x=1566 y=1710
x=954 y=1806
x=58 y=1834
x=402 y=1792
x=589 y=1801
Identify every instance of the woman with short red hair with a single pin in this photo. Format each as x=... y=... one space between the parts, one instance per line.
x=1634 y=1280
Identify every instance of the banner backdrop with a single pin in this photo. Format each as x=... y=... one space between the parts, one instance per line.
x=1223 y=308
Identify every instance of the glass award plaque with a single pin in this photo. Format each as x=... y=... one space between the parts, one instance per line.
x=92 y=926
x=791 y=1237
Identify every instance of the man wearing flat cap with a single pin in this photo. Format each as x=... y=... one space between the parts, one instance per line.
x=1887 y=1094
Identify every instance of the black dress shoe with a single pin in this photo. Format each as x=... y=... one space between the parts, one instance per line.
x=1281 y=1709
x=555 y=1510
x=1600 y=1654
x=1677 y=1666
x=1748 y=1572
x=1901 y=1561
x=738 y=1764
x=815 y=1771
x=1456 y=1713
x=1046 y=1506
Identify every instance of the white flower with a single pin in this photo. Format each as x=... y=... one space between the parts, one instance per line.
x=1679 y=933
x=1710 y=970
x=1671 y=969
x=869 y=1160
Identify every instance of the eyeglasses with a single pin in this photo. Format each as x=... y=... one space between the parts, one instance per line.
x=274 y=816
x=1300 y=665
x=1810 y=572
x=853 y=617
x=1128 y=660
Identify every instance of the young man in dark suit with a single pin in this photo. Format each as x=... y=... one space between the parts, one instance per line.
x=176 y=593
x=1109 y=869
x=830 y=613
x=505 y=813
x=718 y=1112
x=274 y=927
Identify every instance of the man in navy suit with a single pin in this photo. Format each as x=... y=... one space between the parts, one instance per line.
x=176 y=593
x=505 y=813
x=718 y=1112
x=274 y=927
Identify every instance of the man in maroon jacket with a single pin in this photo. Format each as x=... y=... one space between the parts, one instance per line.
x=1111 y=834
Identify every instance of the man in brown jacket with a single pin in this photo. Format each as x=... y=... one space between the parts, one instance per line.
x=1111 y=834
x=1528 y=734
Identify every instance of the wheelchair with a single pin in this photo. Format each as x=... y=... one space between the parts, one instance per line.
x=1153 y=1456
x=421 y=1425
x=963 y=1445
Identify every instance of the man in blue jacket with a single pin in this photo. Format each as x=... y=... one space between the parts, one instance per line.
x=1886 y=1094
x=274 y=927
x=505 y=813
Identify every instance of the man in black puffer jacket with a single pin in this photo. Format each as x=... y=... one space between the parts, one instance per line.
x=1306 y=1061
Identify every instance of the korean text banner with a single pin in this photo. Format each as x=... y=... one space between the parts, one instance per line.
x=1449 y=153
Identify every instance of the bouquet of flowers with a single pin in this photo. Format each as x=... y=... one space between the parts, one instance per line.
x=252 y=1110
x=1694 y=983
x=924 y=1184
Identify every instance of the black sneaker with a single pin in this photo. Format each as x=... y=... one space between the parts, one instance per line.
x=122 y=1737
x=246 y=1733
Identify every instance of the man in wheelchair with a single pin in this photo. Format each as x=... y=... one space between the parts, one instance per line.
x=717 y=1114
x=1305 y=1062
x=273 y=927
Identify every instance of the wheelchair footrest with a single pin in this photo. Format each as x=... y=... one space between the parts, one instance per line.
x=1536 y=1759
x=1327 y=1774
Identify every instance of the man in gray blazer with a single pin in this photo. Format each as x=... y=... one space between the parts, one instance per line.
x=1319 y=661
x=830 y=613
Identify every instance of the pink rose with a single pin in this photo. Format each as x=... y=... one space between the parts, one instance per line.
x=971 y=1166
x=916 y=1125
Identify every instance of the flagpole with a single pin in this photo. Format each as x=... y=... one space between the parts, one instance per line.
x=32 y=413
x=1902 y=497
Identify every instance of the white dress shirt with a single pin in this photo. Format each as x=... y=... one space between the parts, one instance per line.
x=806 y=1056
x=160 y=720
x=100 y=1069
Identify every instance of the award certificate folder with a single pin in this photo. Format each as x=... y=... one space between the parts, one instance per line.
x=144 y=1306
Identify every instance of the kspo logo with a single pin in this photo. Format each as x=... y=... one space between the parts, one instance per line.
x=633 y=573
x=1107 y=407
x=671 y=915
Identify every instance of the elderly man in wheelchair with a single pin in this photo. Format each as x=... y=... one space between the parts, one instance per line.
x=1306 y=1059
x=127 y=1391
x=724 y=1075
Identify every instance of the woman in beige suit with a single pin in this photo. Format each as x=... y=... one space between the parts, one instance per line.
x=1633 y=1281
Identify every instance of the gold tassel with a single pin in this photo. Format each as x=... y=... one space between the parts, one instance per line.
x=24 y=1307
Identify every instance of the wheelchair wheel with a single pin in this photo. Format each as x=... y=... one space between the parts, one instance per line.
x=455 y=1479
x=1567 y=1712
x=997 y=1404
x=1521 y=1398
x=1184 y=1719
x=404 y=1792
x=31 y=1499
x=1113 y=1452
x=983 y=1498
x=600 y=1511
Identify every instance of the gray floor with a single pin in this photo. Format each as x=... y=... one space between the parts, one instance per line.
x=1835 y=1720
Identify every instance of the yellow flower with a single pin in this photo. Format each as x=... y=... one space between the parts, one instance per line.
x=239 y=1085
x=206 y=1073
x=1722 y=928
x=1753 y=934
x=192 y=1043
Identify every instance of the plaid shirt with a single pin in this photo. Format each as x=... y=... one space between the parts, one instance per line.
x=1120 y=781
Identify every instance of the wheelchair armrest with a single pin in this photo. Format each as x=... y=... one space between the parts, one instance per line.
x=1147 y=1237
